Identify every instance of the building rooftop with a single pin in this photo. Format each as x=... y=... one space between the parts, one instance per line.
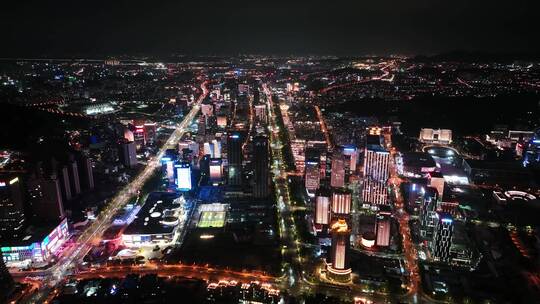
x=418 y=159
x=158 y=215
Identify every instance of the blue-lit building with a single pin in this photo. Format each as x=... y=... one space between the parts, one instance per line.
x=531 y=157
x=235 y=158
x=183 y=176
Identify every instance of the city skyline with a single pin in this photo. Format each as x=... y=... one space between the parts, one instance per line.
x=243 y=152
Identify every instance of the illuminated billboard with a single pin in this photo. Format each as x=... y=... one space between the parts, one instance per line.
x=183 y=177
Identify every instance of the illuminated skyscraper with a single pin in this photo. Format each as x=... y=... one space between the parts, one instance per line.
x=376 y=163
x=312 y=170
x=216 y=171
x=217 y=148
x=428 y=214
x=150 y=132
x=337 y=176
x=312 y=175
x=382 y=228
x=261 y=171
x=235 y=157
x=374 y=192
x=338 y=266
x=442 y=238
x=138 y=136
x=322 y=207
x=208 y=149
x=350 y=155
x=341 y=202
x=12 y=219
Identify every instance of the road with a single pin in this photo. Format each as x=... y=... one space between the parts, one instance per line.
x=415 y=293
x=193 y=271
x=288 y=235
x=296 y=280
x=385 y=73
x=70 y=260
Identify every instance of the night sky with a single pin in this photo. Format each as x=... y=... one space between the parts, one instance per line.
x=354 y=27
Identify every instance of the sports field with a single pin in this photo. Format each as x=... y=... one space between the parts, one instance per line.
x=213 y=219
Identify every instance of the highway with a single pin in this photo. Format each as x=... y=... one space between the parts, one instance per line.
x=70 y=260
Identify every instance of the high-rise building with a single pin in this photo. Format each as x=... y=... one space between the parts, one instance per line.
x=217 y=148
x=338 y=266
x=382 y=228
x=45 y=199
x=208 y=149
x=128 y=135
x=139 y=138
x=235 y=158
x=6 y=281
x=436 y=180
x=374 y=192
x=150 y=132
x=74 y=179
x=312 y=175
x=428 y=212
x=64 y=184
x=442 y=238
x=376 y=163
x=129 y=154
x=168 y=167
x=337 y=176
x=183 y=176
x=260 y=113
x=322 y=207
x=87 y=173
x=341 y=202
x=204 y=165
x=207 y=108
x=531 y=157
x=201 y=127
x=261 y=170
x=350 y=155
x=216 y=171
x=12 y=219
